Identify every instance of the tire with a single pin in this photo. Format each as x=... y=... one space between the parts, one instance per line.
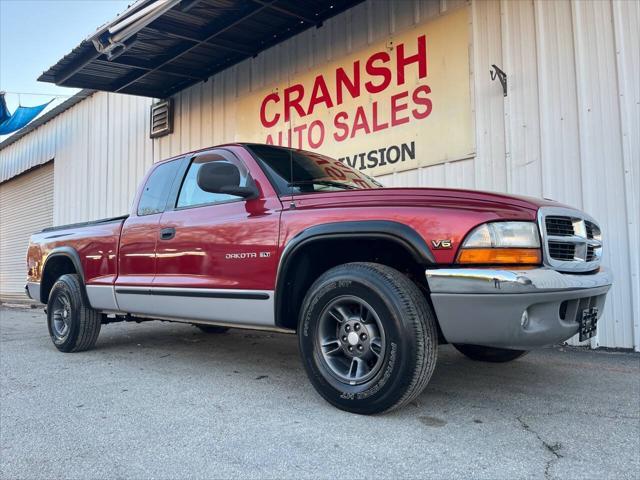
x=73 y=325
x=400 y=343
x=489 y=354
x=212 y=328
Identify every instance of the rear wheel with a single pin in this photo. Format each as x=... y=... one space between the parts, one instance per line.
x=368 y=338
x=489 y=354
x=73 y=325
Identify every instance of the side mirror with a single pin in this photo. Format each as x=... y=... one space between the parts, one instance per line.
x=224 y=177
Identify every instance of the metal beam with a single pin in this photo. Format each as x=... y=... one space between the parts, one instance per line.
x=120 y=63
x=75 y=66
x=187 y=5
x=225 y=46
x=171 y=34
x=189 y=38
x=287 y=12
x=131 y=79
x=65 y=72
x=176 y=87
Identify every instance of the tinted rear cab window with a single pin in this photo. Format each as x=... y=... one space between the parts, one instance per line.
x=156 y=190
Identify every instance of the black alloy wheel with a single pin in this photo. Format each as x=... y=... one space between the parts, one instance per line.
x=367 y=337
x=351 y=338
x=73 y=325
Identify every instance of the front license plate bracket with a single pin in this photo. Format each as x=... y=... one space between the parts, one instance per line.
x=588 y=323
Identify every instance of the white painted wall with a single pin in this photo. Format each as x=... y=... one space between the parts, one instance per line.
x=569 y=128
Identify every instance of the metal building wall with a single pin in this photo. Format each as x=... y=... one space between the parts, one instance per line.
x=573 y=87
x=101 y=148
x=30 y=151
x=567 y=130
x=26 y=206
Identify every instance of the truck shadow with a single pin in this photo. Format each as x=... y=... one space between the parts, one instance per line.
x=458 y=384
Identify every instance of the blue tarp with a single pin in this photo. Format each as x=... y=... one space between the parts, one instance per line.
x=23 y=115
x=4 y=111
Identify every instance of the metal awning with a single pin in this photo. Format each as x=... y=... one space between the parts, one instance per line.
x=159 y=47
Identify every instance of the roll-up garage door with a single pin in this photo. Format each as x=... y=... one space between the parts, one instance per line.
x=26 y=206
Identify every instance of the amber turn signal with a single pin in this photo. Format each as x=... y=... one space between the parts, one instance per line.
x=511 y=256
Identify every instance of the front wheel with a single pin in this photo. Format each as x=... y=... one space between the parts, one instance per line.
x=489 y=354
x=73 y=325
x=368 y=338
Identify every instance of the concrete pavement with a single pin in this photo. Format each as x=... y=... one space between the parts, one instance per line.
x=161 y=400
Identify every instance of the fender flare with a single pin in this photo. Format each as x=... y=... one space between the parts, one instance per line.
x=400 y=233
x=72 y=255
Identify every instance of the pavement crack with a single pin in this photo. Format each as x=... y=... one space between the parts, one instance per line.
x=601 y=414
x=552 y=448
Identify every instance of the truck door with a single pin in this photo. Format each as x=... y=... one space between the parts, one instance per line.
x=136 y=255
x=216 y=253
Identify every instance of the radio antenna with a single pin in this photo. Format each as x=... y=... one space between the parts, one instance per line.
x=291 y=202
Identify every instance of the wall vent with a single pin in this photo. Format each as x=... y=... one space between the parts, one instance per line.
x=161 y=119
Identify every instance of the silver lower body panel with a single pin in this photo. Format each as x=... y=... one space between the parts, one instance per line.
x=102 y=297
x=32 y=289
x=520 y=309
x=248 y=308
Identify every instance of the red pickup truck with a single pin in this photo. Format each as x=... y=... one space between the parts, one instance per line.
x=371 y=279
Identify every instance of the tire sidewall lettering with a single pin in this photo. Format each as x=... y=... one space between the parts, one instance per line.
x=387 y=377
x=391 y=362
x=312 y=306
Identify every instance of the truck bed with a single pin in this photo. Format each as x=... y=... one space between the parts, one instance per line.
x=94 y=245
x=85 y=224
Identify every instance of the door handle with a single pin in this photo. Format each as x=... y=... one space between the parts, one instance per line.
x=167 y=233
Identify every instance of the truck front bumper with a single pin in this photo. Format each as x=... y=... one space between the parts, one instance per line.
x=520 y=309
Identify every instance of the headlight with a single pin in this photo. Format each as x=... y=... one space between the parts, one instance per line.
x=516 y=243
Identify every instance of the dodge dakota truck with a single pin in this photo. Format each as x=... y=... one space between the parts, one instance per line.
x=370 y=279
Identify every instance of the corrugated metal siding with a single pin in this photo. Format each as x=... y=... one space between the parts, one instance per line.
x=626 y=18
x=26 y=206
x=35 y=149
x=602 y=157
x=104 y=150
x=490 y=167
x=558 y=132
x=567 y=130
x=568 y=127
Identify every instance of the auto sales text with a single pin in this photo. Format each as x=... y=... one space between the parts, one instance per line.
x=287 y=111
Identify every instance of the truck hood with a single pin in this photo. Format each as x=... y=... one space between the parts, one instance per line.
x=431 y=197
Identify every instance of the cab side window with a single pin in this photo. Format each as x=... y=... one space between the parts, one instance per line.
x=191 y=195
x=156 y=190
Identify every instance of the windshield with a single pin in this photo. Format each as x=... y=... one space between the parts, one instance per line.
x=296 y=171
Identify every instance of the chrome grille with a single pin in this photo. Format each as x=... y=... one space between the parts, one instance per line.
x=562 y=226
x=571 y=239
x=562 y=251
x=593 y=231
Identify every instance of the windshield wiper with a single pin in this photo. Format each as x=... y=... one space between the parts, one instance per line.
x=328 y=183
